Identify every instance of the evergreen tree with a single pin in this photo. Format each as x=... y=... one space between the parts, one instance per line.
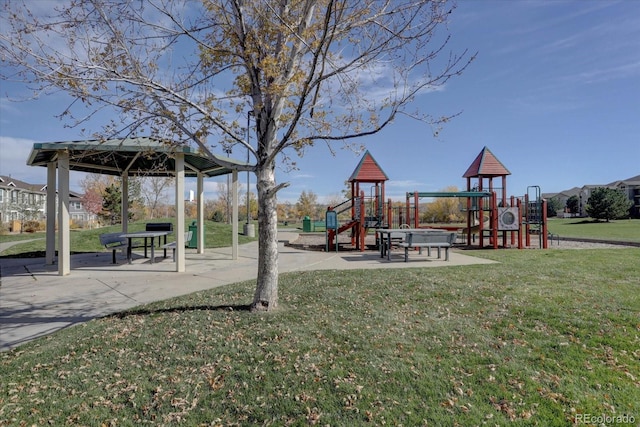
x=573 y=204
x=553 y=206
x=111 y=212
x=608 y=204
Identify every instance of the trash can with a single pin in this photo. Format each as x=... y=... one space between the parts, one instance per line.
x=306 y=224
x=193 y=242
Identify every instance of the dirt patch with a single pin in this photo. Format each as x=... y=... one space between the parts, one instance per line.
x=317 y=242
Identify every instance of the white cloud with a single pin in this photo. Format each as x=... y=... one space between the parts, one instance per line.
x=14 y=153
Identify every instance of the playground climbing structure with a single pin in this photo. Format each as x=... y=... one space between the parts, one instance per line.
x=497 y=220
x=506 y=216
x=367 y=211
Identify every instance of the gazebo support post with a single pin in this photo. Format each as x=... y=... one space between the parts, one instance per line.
x=234 y=215
x=64 y=246
x=124 y=208
x=200 y=208
x=180 y=262
x=50 y=254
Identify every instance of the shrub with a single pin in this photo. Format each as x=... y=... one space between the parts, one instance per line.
x=32 y=226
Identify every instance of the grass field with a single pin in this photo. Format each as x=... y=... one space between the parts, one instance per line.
x=216 y=235
x=622 y=230
x=541 y=338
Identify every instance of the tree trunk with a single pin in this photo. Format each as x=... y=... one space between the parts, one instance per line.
x=266 y=296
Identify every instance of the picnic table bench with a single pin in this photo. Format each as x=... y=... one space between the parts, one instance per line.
x=113 y=241
x=172 y=245
x=432 y=239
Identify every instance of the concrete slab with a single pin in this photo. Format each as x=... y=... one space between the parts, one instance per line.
x=36 y=301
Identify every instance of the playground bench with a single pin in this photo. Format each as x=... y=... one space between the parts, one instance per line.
x=172 y=245
x=428 y=240
x=113 y=242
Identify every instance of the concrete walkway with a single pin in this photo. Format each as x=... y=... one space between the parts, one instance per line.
x=35 y=301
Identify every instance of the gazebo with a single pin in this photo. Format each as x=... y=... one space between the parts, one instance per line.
x=128 y=157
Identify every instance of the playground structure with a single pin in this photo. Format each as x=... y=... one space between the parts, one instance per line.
x=497 y=220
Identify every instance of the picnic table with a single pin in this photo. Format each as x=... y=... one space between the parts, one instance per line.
x=144 y=235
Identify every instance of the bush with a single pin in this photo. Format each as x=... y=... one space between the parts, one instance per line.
x=218 y=216
x=32 y=226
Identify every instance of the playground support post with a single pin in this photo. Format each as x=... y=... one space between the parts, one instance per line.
x=416 y=206
x=519 y=204
x=361 y=229
x=513 y=236
x=494 y=219
x=527 y=228
x=545 y=235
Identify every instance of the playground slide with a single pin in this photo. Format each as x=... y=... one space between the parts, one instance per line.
x=334 y=233
x=347 y=226
x=475 y=229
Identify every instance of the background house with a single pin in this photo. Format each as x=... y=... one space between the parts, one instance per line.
x=21 y=201
x=629 y=186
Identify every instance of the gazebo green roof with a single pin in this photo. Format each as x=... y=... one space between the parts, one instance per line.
x=140 y=156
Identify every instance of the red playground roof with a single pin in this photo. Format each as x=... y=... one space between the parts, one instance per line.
x=368 y=170
x=486 y=165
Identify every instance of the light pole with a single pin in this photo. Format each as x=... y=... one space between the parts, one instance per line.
x=249 y=229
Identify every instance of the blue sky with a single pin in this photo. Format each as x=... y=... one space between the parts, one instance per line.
x=554 y=93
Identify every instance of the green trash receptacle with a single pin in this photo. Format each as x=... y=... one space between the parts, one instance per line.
x=306 y=224
x=193 y=242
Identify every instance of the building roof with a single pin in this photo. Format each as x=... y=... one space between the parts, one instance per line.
x=486 y=164
x=7 y=181
x=136 y=156
x=634 y=180
x=368 y=170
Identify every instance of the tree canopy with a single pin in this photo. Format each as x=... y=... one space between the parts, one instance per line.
x=607 y=204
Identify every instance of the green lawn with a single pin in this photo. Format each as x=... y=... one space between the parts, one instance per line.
x=624 y=229
x=537 y=339
x=216 y=235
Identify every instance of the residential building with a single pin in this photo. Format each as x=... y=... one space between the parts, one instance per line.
x=21 y=201
x=630 y=187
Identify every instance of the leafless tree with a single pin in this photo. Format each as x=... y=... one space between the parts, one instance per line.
x=154 y=191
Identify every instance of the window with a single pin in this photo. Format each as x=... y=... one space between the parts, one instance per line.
x=1 y=195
